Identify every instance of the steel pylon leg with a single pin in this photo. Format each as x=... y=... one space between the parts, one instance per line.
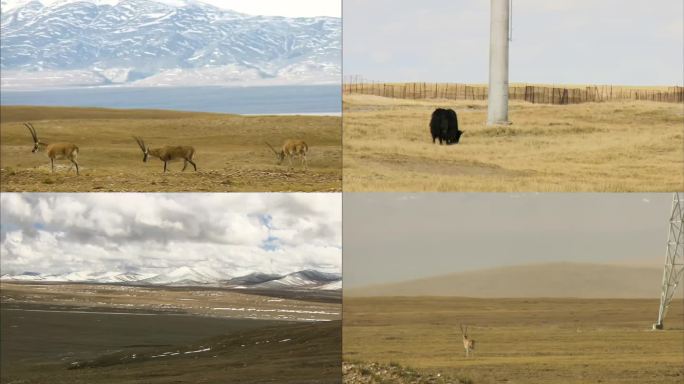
x=674 y=258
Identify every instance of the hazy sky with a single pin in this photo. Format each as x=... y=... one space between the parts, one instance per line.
x=395 y=236
x=290 y=8
x=578 y=41
x=231 y=233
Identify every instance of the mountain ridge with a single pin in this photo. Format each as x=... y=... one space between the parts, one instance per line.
x=191 y=276
x=152 y=43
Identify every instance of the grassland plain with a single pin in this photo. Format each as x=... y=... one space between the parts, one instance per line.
x=206 y=301
x=517 y=340
x=231 y=151
x=605 y=147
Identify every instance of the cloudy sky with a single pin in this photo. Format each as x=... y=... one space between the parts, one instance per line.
x=571 y=42
x=394 y=236
x=231 y=233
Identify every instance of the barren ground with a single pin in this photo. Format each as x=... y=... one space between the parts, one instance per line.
x=84 y=333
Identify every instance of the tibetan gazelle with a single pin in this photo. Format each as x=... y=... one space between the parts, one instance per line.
x=468 y=343
x=55 y=151
x=292 y=148
x=168 y=153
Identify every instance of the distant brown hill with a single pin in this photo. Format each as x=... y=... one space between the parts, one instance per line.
x=580 y=280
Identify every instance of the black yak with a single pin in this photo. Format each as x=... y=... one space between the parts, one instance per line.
x=444 y=126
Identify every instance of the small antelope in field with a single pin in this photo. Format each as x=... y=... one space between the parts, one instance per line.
x=168 y=153
x=55 y=151
x=468 y=343
x=292 y=148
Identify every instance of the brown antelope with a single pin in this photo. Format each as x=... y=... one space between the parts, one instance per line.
x=168 y=153
x=291 y=148
x=55 y=151
x=468 y=344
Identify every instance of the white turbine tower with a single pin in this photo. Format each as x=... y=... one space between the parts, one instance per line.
x=674 y=258
x=497 y=112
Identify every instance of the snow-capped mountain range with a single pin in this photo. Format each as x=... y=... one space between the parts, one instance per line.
x=162 y=42
x=193 y=276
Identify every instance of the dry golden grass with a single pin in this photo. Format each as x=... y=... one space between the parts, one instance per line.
x=519 y=340
x=611 y=146
x=231 y=154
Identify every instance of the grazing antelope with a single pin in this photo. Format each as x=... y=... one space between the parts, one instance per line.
x=468 y=344
x=168 y=153
x=291 y=148
x=55 y=151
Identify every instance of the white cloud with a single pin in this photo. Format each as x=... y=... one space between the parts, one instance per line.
x=229 y=233
x=14 y=205
x=290 y=8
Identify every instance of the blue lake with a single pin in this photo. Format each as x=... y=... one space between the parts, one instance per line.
x=295 y=99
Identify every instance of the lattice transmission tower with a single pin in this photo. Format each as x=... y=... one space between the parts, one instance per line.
x=674 y=258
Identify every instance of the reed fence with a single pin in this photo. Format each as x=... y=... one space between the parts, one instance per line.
x=539 y=94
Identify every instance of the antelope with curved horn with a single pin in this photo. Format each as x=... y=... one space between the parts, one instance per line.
x=55 y=151
x=292 y=148
x=468 y=343
x=168 y=153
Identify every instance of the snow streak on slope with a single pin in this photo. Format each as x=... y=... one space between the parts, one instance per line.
x=302 y=279
x=151 y=43
x=193 y=276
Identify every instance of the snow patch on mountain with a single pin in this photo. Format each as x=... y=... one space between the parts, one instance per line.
x=153 y=42
x=185 y=276
x=193 y=276
x=79 y=276
x=25 y=276
x=334 y=286
x=302 y=279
